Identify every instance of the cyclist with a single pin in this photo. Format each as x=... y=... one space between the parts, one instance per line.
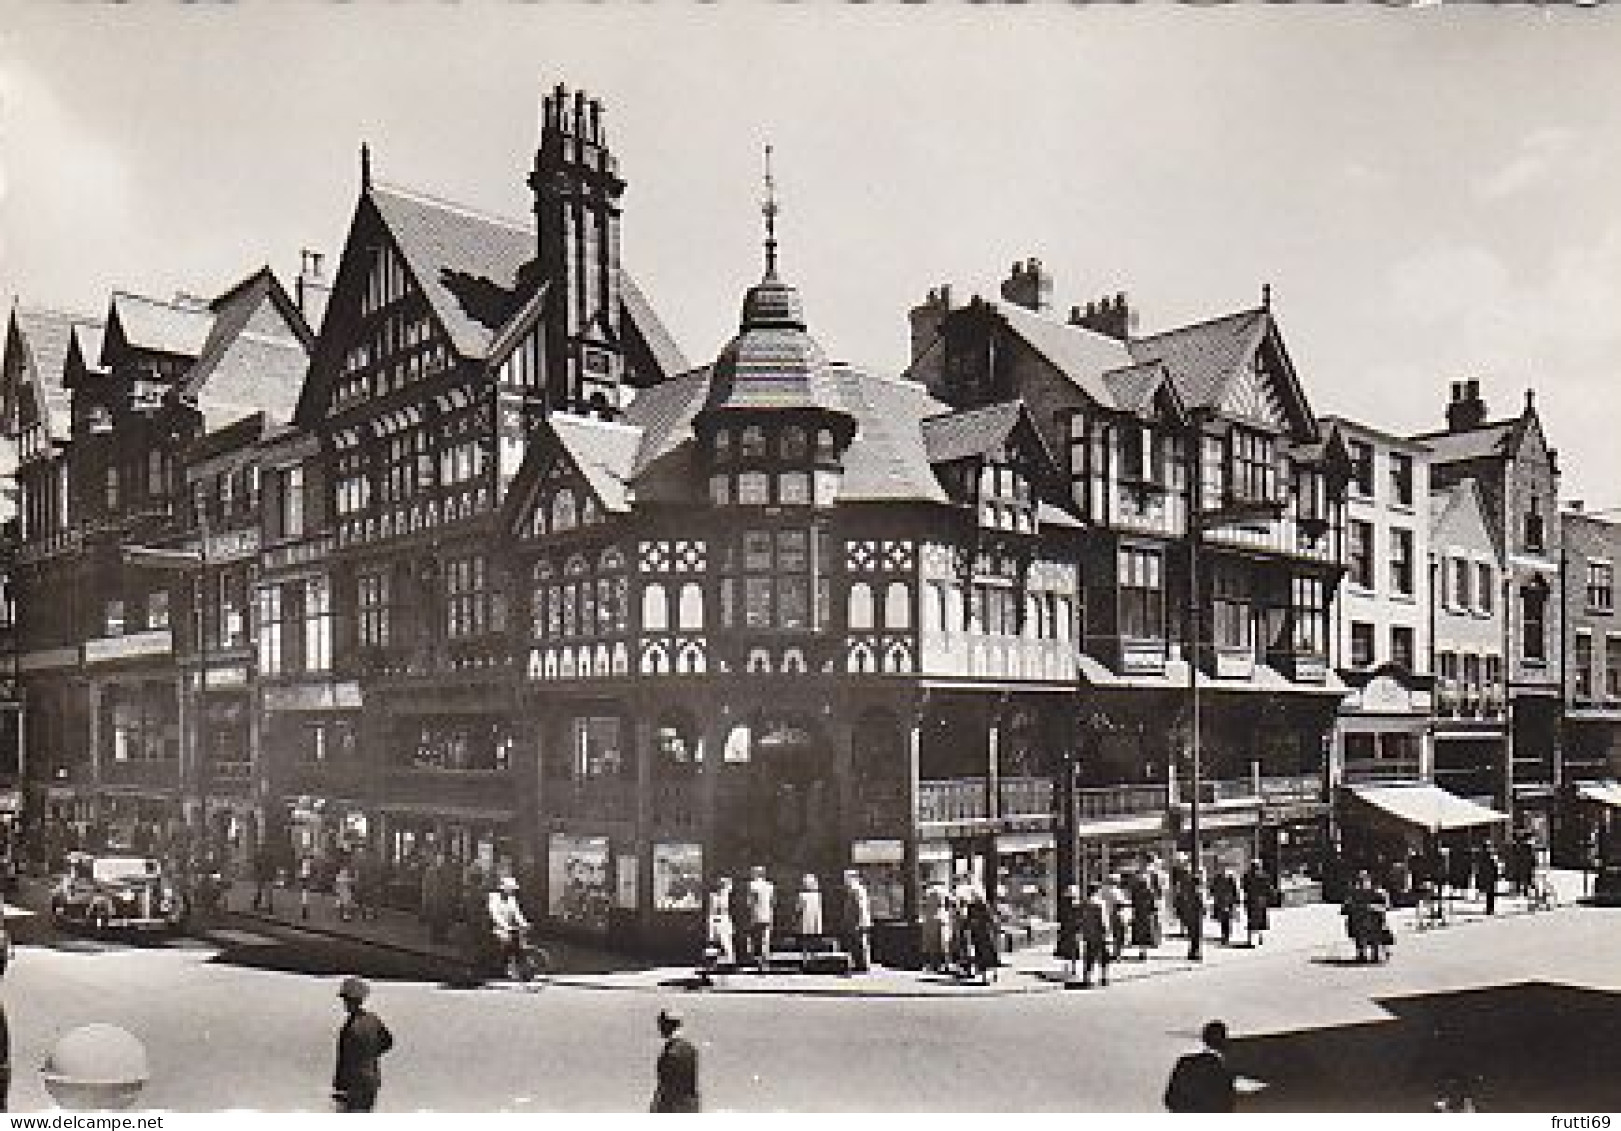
x=509 y=925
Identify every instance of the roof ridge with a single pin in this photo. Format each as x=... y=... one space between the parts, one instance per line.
x=1483 y=426
x=1201 y=324
x=452 y=205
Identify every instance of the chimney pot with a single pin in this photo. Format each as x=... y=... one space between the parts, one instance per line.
x=1472 y=388
x=1530 y=399
x=1457 y=391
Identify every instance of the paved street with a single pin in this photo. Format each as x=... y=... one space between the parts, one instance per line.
x=228 y=1024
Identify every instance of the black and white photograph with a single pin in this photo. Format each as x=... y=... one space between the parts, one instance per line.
x=810 y=558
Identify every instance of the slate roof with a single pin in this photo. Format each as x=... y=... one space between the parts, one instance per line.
x=243 y=370
x=1082 y=355
x=1490 y=440
x=90 y=335
x=1135 y=386
x=466 y=262
x=773 y=362
x=163 y=327
x=605 y=453
x=1203 y=358
x=886 y=460
x=47 y=334
x=971 y=432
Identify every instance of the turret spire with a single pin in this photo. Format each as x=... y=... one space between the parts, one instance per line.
x=365 y=167
x=768 y=208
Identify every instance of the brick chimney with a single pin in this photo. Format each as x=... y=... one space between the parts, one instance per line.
x=926 y=318
x=312 y=288
x=1029 y=286
x=1111 y=317
x=1466 y=410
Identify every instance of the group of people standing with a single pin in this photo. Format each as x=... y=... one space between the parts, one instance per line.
x=759 y=913
x=960 y=930
x=1128 y=908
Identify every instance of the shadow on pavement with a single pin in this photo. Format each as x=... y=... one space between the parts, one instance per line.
x=1530 y=1046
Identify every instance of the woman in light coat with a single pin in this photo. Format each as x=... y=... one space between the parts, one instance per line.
x=810 y=907
x=721 y=935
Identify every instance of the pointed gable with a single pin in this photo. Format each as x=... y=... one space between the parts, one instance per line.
x=576 y=472
x=38 y=348
x=255 y=356
x=1237 y=364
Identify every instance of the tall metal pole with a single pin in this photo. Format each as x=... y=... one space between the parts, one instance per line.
x=1195 y=943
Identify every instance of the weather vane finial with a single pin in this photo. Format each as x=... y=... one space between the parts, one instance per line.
x=769 y=209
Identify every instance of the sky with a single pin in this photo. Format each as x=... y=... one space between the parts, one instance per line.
x=1433 y=193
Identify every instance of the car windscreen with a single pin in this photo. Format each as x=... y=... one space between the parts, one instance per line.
x=120 y=869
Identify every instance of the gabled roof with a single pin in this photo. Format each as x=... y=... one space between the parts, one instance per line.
x=1205 y=357
x=952 y=436
x=605 y=453
x=250 y=363
x=1137 y=387
x=466 y=262
x=47 y=336
x=88 y=338
x=1492 y=440
x=160 y=327
x=1444 y=501
x=1081 y=355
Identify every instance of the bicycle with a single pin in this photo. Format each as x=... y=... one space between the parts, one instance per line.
x=526 y=961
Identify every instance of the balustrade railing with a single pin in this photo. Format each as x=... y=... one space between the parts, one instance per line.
x=1024 y=797
x=960 y=799
x=1102 y=802
x=1380 y=769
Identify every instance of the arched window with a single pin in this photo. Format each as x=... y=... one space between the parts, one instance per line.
x=954 y=621
x=655 y=608
x=795 y=444
x=723 y=445
x=752 y=444
x=691 y=607
x=563 y=510
x=898 y=606
x=860 y=605
x=824 y=444
x=934 y=608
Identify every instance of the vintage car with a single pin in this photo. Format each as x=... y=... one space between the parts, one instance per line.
x=108 y=893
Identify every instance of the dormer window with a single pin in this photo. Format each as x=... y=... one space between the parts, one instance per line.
x=795 y=444
x=826 y=449
x=1142 y=454
x=753 y=442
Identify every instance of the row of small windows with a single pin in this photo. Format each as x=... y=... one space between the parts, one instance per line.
x=793 y=444
x=787 y=488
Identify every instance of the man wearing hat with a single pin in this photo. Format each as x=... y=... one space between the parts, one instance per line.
x=362 y=1040
x=508 y=922
x=677 y=1088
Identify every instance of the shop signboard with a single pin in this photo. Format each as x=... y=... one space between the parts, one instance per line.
x=678 y=876
x=577 y=874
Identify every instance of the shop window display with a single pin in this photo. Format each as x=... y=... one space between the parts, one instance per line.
x=579 y=882
x=1024 y=889
x=882 y=866
x=678 y=876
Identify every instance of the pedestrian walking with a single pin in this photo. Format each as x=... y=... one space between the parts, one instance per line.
x=1193 y=913
x=1180 y=871
x=1258 y=892
x=1145 y=928
x=809 y=906
x=962 y=945
x=306 y=884
x=1094 y=932
x=1366 y=919
x=676 y=1088
x=985 y=957
x=264 y=879
x=1202 y=1081
x=936 y=944
x=761 y=898
x=1067 y=948
x=720 y=935
x=343 y=888
x=437 y=899
x=858 y=922
x=1115 y=902
x=1487 y=873
x=361 y=1044
x=1224 y=902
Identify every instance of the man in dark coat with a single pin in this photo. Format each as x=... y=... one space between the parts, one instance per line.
x=1202 y=1081
x=361 y=1042
x=1094 y=932
x=677 y=1089
x=1487 y=873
